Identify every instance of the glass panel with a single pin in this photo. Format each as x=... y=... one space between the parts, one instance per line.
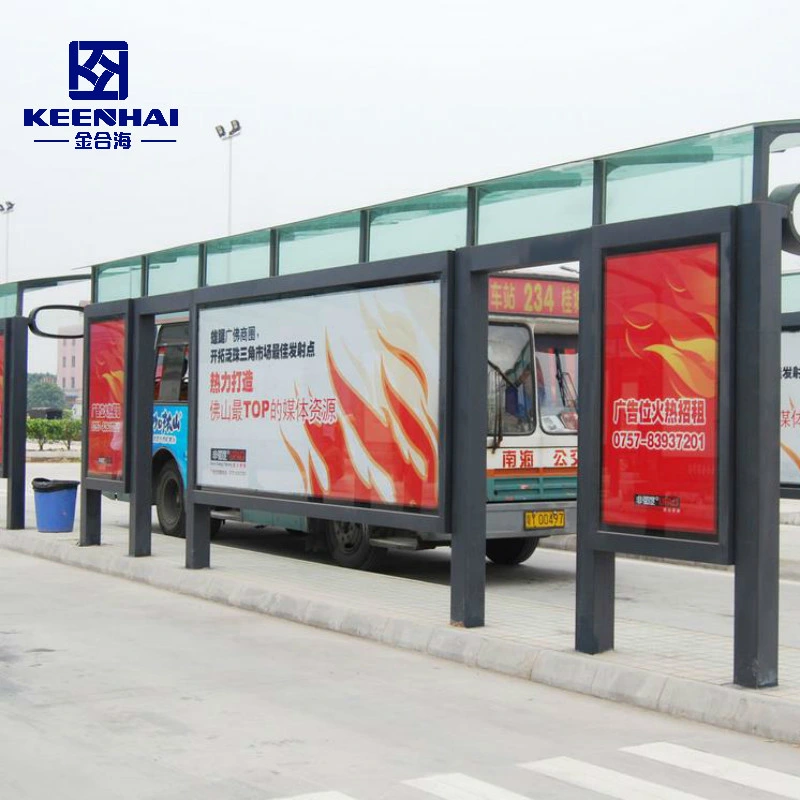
x=173 y=270
x=420 y=225
x=8 y=300
x=509 y=381
x=119 y=280
x=325 y=242
x=536 y=203
x=703 y=172
x=239 y=258
x=790 y=292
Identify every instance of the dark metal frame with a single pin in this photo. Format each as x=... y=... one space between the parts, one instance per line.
x=704 y=227
x=92 y=487
x=4 y=398
x=468 y=455
x=144 y=313
x=750 y=238
x=393 y=272
x=16 y=408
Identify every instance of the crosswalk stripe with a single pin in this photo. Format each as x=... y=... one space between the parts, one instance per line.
x=605 y=781
x=728 y=769
x=320 y=796
x=455 y=786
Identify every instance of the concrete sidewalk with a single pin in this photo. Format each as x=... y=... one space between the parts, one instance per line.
x=666 y=665
x=789 y=544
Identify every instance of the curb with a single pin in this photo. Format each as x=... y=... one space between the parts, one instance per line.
x=756 y=713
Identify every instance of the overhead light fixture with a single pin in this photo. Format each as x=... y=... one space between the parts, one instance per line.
x=235 y=127
x=220 y=131
x=789 y=196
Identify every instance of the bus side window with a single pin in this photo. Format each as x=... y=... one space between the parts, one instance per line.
x=173 y=370
x=159 y=373
x=184 y=390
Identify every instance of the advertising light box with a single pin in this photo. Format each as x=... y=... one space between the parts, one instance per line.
x=790 y=408
x=326 y=397
x=106 y=402
x=2 y=399
x=661 y=392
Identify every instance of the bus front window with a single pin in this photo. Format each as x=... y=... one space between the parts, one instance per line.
x=510 y=381
x=557 y=382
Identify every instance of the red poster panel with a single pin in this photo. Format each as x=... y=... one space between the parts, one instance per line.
x=106 y=431
x=2 y=397
x=660 y=391
x=543 y=298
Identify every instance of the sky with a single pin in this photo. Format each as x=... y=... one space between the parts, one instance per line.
x=349 y=103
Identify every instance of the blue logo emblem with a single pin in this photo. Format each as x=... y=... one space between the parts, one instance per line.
x=98 y=69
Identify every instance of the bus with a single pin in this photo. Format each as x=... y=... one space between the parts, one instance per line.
x=532 y=431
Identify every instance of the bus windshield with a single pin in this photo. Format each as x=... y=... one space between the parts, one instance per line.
x=510 y=381
x=557 y=382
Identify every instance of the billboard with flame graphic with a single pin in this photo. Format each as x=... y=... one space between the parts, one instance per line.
x=790 y=408
x=106 y=401
x=329 y=397
x=2 y=400
x=660 y=391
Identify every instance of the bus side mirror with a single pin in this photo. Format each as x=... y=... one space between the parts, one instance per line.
x=57 y=322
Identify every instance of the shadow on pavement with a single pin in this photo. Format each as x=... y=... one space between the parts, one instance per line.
x=432 y=566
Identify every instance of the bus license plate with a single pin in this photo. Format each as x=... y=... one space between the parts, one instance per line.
x=544 y=519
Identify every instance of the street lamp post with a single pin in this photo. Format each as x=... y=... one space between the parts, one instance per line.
x=235 y=130
x=6 y=209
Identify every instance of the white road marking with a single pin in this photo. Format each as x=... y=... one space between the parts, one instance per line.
x=455 y=786
x=320 y=796
x=605 y=781
x=727 y=769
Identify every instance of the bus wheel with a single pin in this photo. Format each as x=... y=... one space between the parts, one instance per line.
x=169 y=500
x=348 y=544
x=511 y=551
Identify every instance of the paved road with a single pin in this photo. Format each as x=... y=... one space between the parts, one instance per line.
x=156 y=696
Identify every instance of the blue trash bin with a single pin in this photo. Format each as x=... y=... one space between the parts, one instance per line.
x=55 y=504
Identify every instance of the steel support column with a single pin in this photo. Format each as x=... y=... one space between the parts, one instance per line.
x=16 y=375
x=595 y=570
x=141 y=373
x=468 y=416
x=756 y=469
x=90 y=516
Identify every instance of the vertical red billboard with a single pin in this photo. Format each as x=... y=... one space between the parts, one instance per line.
x=106 y=400
x=2 y=400
x=661 y=392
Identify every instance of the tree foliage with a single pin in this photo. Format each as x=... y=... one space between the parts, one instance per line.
x=42 y=431
x=43 y=394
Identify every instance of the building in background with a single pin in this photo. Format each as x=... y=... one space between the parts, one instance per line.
x=69 y=372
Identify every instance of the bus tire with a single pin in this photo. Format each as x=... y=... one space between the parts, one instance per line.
x=348 y=545
x=169 y=501
x=511 y=551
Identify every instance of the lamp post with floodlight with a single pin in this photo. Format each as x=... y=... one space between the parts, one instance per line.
x=235 y=130
x=6 y=209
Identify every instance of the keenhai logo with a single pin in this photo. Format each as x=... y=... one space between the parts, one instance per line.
x=98 y=73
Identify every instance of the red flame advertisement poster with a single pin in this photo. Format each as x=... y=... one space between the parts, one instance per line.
x=106 y=399
x=330 y=397
x=660 y=391
x=2 y=394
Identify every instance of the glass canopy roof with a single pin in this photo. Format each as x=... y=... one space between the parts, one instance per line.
x=728 y=167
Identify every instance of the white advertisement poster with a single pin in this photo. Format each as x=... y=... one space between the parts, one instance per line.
x=790 y=407
x=334 y=396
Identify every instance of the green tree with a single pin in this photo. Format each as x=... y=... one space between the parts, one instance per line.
x=69 y=430
x=40 y=430
x=43 y=394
